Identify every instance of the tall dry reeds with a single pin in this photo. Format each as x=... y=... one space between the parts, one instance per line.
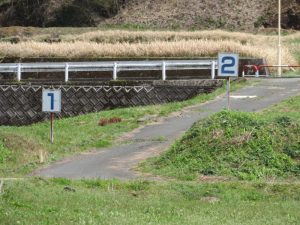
x=114 y=36
x=199 y=48
x=116 y=44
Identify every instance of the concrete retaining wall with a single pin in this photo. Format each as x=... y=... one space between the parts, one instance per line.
x=21 y=104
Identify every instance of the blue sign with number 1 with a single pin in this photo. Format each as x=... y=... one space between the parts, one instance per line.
x=228 y=65
x=51 y=101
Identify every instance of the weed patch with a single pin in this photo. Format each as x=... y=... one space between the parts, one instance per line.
x=18 y=153
x=236 y=144
x=4 y=153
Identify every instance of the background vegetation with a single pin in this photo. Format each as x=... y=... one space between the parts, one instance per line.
x=52 y=43
x=172 y=14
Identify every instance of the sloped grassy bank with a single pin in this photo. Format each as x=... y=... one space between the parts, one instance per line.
x=237 y=144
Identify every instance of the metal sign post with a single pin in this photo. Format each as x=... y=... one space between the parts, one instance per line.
x=51 y=128
x=228 y=67
x=228 y=93
x=52 y=105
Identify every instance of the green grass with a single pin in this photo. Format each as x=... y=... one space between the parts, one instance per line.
x=289 y=108
x=292 y=73
x=61 y=201
x=236 y=144
x=295 y=45
x=20 y=147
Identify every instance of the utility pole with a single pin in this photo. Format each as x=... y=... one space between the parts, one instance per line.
x=279 y=40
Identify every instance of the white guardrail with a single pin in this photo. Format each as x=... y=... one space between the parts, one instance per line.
x=115 y=67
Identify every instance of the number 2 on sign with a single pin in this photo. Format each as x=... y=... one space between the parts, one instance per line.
x=228 y=63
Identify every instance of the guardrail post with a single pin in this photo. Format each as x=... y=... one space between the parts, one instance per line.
x=244 y=70
x=164 y=73
x=213 y=70
x=19 y=72
x=115 y=73
x=66 y=72
x=257 y=72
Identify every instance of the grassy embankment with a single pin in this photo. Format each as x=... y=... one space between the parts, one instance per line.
x=61 y=201
x=248 y=146
x=250 y=140
x=20 y=147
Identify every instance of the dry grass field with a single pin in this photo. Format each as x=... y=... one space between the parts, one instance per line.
x=121 y=43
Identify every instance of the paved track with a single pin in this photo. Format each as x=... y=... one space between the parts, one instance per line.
x=117 y=162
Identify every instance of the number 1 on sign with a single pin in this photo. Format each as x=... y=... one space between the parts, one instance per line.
x=51 y=104
x=51 y=95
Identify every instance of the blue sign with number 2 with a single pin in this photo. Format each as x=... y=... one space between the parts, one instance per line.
x=228 y=65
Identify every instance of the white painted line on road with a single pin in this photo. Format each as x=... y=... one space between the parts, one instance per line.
x=11 y=179
x=1 y=185
x=276 y=88
x=243 y=96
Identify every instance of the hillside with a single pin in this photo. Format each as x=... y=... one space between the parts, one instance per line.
x=194 y=14
x=47 y=13
x=184 y=14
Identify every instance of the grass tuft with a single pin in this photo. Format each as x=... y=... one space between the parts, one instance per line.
x=235 y=144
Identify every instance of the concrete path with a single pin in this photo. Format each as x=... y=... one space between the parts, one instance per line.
x=119 y=161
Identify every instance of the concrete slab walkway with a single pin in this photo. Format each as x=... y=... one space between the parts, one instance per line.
x=119 y=161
